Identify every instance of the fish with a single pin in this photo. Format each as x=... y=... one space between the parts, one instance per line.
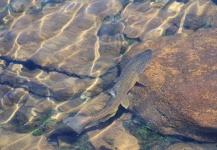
x=127 y=79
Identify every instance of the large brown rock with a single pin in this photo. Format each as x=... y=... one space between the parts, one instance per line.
x=179 y=96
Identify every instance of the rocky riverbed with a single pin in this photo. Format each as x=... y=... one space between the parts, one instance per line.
x=61 y=57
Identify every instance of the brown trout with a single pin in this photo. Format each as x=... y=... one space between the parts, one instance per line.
x=125 y=82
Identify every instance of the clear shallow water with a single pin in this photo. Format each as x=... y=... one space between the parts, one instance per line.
x=56 y=57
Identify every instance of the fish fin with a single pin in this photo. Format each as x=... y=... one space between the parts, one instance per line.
x=110 y=115
x=125 y=103
x=142 y=80
x=104 y=119
x=114 y=112
x=77 y=123
x=107 y=117
x=112 y=93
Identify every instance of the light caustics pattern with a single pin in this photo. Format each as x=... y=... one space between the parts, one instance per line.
x=57 y=55
x=149 y=20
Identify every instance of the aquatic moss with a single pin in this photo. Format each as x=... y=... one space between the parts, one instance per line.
x=107 y=19
x=37 y=132
x=147 y=137
x=131 y=40
x=207 y=26
x=123 y=50
x=42 y=129
x=118 y=16
x=44 y=124
x=142 y=132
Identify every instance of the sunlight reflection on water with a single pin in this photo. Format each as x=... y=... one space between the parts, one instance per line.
x=59 y=58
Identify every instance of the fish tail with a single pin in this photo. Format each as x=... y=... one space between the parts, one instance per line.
x=77 y=123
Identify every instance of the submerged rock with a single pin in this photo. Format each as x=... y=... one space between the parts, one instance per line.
x=63 y=38
x=191 y=146
x=30 y=98
x=17 y=6
x=16 y=141
x=152 y=20
x=114 y=136
x=180 y=84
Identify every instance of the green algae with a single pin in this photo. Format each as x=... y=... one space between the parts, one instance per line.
x=148 y=138
x=123 y=50
x=44 y=127
x=117 y=16
x=207 y=25
x=44 y=124
x=131 y=40
x=107 y=19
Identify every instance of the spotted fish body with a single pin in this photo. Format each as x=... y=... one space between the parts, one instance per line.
x=119 y=92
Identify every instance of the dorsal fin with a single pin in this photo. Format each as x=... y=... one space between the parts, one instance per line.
x=142 y=79
x=112 y=93
x=125 y=102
